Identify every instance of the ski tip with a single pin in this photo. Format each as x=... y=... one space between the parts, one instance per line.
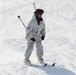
x=45 y=64
x=53 y=64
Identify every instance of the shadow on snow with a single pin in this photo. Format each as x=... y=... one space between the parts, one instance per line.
x=54 y=70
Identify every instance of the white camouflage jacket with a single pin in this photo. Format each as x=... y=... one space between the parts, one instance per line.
x=34 y=30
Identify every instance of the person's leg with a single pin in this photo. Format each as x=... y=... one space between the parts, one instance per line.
x=39 y=51
x=29 y=49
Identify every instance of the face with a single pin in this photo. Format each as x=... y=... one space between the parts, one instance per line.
x=39 y=15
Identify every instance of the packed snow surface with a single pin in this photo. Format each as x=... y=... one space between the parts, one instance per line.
x=59 y=44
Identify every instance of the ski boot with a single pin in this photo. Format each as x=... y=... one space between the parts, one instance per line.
x=27 y=61
x=41 y=61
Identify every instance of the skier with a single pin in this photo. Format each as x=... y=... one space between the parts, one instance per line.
x=35 y=33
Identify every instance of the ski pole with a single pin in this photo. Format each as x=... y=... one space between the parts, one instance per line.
x=22 y=21
x=34 y=6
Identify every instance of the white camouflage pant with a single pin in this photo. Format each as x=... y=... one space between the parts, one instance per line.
x=30 y=45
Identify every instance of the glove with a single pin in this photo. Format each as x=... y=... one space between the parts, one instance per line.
x=33 y=39
x=42 y=38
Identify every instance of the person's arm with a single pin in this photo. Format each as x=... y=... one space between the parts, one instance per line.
x=29 y=31
x=43 y=31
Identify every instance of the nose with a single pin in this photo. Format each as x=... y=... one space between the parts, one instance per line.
x=40 y=16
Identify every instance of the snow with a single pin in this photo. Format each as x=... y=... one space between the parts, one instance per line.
x=59 y=44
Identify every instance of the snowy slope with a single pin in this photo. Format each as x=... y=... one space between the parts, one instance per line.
x=59 y=44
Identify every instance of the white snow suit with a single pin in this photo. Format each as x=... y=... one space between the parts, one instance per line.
x=35 y=31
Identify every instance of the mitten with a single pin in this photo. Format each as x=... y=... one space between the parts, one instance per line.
x=33 y=39
x=42 y=37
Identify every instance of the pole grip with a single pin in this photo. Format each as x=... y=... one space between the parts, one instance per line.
x=22 y=21
x=34 y=6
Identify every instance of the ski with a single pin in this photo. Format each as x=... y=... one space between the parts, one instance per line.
x=47 y=64
x=53 y=64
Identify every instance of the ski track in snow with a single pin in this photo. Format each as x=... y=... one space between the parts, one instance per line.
x=59 y=44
